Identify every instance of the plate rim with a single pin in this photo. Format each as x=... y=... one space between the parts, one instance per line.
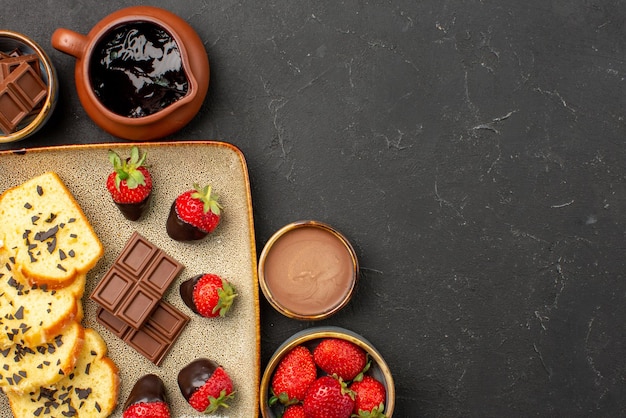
x=250 y=215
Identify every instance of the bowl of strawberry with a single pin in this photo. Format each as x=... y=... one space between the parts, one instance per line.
x=330 y=372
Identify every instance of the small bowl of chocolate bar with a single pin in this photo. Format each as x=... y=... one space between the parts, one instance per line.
x=28 y=86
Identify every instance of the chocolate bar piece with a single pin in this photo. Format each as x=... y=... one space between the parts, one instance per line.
x=22 y=89
x=155 y=339
x=12 y=110
x=134 y=285
x=27 y=84
x=9 y=63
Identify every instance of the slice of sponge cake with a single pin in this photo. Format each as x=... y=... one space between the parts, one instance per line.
x=47 y=231
x=30 y=314
x=24 y=369
x=90 y=391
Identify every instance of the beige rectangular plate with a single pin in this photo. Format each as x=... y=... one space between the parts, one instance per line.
x=234 y=341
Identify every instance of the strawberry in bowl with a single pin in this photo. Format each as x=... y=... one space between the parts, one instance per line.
x=369 y=397
x=294 y=374
x=367 y=391
x=336 y=356
x=328 y=397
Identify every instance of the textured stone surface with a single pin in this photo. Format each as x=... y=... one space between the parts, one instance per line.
x=473 y=153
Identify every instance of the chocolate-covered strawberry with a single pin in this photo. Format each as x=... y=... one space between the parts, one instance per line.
x=194 y=214
x=130 y=184
x=147 y=399
x=208 y=295
x=205 y=385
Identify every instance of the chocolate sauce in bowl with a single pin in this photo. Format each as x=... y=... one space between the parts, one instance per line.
x=136 y=70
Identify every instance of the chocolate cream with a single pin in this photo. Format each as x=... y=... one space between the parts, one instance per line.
x=309 y=270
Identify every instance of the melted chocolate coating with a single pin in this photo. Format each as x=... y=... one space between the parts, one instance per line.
x=180 y=230
x=148 y=388
x=133 y=211
x=186 y=292
x=194 y=375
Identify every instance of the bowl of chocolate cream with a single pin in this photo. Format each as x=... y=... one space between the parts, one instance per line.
x=141 y=73
x=308 y=270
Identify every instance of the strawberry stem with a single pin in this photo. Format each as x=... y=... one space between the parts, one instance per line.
x=127 y=170
x=207 y=197
x=226 y=296
x=220 y=401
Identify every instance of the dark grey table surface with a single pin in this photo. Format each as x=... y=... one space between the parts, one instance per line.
x=472 y=151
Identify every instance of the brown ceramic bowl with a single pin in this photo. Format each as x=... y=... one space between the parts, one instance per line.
x=310 y=338
x=10 y=41
x=308 y=270
x=188 y=56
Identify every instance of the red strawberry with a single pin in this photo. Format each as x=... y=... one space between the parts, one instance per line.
x=205 y=385
x=340 y=357
x=294 y=411
x=208 y=295
x=328 y=397
x=147 y=410
x=370 y=398
x=194 y=214
x=294 y=374
x=147 y=399
x=130 y=183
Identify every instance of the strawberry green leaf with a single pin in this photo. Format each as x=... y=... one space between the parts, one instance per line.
x=115 y=160
x=127 y=170
x=134 y=155
x=208 y=198
x=368 y=364
x=220 y=401
x=226 y=295
x=135 y=178
x=377 y=412
x=345 y=390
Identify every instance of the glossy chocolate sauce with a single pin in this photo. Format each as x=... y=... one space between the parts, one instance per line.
x=149 y=388
x=180 y=230
x=194 y=375
x=136 y=70
x=309 y=270
x=186 y=292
